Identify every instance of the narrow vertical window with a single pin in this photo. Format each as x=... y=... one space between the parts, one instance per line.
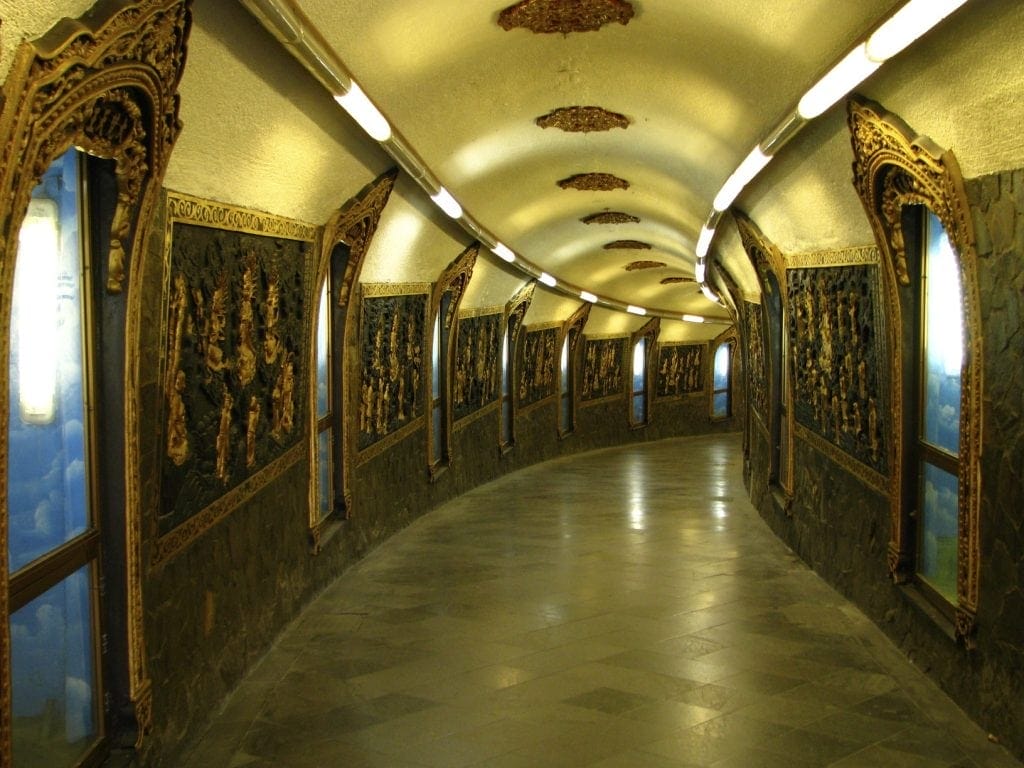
x=507 y=415
x=721 y=404
x=324 y=422
x=941 y=354
x=565 y=413
x=639 y=388
x=53 y=521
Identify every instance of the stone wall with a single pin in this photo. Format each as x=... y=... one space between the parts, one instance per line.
x=847 y=543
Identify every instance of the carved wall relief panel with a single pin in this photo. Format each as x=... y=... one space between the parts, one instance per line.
x=837 y=349
x=680 y=369
x=602 y=368
x=391 y=333
x=235 y=372
x=540 y=359
x=477 y=356
x=756 y=354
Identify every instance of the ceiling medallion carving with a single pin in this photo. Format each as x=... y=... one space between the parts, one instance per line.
x=636 y=245
x=634 y=266
x=582 y=119
x=593 y=182
x=610 y=217
x=565 y=16
x=674 y=280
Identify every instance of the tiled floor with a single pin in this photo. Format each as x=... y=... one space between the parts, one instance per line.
x=622 y=608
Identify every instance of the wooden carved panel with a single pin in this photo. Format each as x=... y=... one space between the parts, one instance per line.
x=582 y=119
x=593 y=182
x=236 y=367
x=540 y=360
x=477 y=378
x=681 y=369
x=837 y=348
x=565 y=16
x=391 y=336
x=602 y=368
x=757 y=355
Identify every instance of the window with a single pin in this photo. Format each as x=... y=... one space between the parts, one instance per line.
x=507 y=360
x=940 y=358
x=721 y=404
x=439 y=385
x=639 y=389
x=566 y=379
x=53 y=493
x=328 y=448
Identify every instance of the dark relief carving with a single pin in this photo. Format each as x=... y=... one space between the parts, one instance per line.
x=611 y=217
x=477 y=350
x=593 y=182
x=837 y=353
x=636 y=245
x=391 y=352
x=756 y=354
x=582 y=119
x=236 y=362
x=635 y=266
x=602 y=368
x=565 y=16
x=537 y=379
x=680 y=369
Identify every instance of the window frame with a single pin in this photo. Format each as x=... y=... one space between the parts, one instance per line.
x=648 y=333
x=728 y=345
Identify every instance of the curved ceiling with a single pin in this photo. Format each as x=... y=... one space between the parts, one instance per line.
x=697 y=85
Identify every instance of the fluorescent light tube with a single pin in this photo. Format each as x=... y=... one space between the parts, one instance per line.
x=547 y=279
x=636 y=310
x=748 y=169
x=707 y=234
x=362 y=110
x=693 y=318
x=444 y=200
x=837 y=82
x=588 y=296
x=502 y=251
x=906 y=25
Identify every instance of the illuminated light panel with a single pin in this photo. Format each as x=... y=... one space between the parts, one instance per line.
x=693 y=318
x=752 y=165
x=633 y=310
x=547 y=279
x=906 y=25
x=362 y=110
x=444 y=200
x=837 y=82
x=700 y=271
x=588 y=296
x=708 y=293
x=707 y=234
x=502 y=251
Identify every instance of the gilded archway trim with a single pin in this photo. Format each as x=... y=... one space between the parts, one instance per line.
x=649 y=331
x=572 y=330
x=108 y=84
x=768 y=260
x=515 y=312
x=354 y=224
x=454 y=280
x=893 y=168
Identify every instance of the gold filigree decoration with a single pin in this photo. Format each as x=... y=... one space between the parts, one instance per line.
x=515 y=312
x=845 y=257
x=453 y=281
x=677 y=280
x=611 y=217
x=107 y=84
x=354 y=224
x=565 y=16
x=634 y=245
x=571 y=331
x=893 y=168
x=593 y=182
x=583 y=119
x=635 y=266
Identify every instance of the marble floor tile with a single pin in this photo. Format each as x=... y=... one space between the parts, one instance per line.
x=620 y=609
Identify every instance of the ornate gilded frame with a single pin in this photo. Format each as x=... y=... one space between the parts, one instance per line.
x=354 y=224
x=768 y=260
x=455 y=279
x=572 y=329
x=893 y=168
x=107 y=84
x=728 y=336
x=515 y=312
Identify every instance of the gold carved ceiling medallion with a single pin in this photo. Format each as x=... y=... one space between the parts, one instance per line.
x=582 y=119
x=611 y=217
x=635 y=245
x=565 y=16
x=593 y=182
x=635 y=266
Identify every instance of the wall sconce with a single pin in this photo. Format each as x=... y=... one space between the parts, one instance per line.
x=36 y=291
